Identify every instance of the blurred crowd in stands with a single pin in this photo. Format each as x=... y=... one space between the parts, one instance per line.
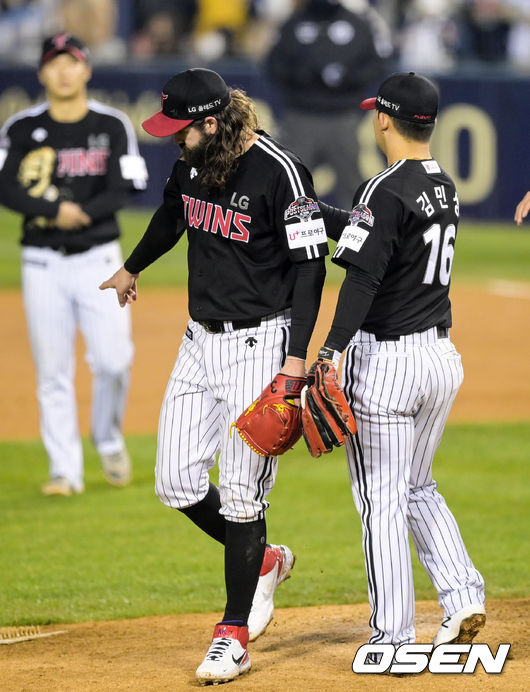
x=429 y=35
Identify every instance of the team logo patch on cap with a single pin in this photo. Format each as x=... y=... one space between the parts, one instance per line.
x=361 y=213
x=303 y=208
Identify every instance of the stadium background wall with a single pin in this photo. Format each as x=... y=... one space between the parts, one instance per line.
x=481 y=139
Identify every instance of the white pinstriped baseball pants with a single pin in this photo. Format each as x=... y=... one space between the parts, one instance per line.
x=401 y=394
x=216 y=376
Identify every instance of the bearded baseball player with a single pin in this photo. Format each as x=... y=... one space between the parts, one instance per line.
x=257 y=243
x=401 y=371
x=68 y=165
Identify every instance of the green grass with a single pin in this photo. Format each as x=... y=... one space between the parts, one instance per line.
x=120 y=553
x=485 y=251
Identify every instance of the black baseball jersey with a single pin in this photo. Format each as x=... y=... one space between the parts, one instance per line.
x=94 y=162
x=244 y=241
x=402 y=231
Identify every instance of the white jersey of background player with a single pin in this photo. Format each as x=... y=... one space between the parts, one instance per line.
x=68 y=165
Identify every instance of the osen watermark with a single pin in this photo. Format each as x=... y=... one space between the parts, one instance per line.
x=416 y=658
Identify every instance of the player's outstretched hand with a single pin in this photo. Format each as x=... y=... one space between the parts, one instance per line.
x=125 y=284
x=522 y=209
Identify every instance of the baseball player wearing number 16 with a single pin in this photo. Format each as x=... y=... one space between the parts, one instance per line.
x=257 y=243
x=401 y=371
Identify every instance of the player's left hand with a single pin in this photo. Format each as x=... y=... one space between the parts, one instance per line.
x=125 y=284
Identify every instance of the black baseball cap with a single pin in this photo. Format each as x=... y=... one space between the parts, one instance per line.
x=188 y=96
x=63 y=43
x=406 y=96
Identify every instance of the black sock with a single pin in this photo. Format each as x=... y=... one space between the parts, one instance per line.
x=205 y=514
x=244 y=550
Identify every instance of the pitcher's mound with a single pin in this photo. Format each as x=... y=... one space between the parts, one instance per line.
x=307 y=649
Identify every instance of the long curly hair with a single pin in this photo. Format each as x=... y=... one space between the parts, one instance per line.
x=236 y=123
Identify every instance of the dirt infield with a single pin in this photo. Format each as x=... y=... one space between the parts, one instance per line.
x=309 y=649
x=305 y=648
x=491 y=329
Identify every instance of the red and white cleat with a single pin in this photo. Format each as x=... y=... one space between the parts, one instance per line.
x=276 y=568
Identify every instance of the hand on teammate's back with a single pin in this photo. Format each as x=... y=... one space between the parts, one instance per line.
x=71 y=217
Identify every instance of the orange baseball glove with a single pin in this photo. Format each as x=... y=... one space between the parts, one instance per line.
x=273 y=423
x=326 y=416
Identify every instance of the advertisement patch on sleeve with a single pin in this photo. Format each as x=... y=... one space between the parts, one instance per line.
x=353 y=238
x=304 y=233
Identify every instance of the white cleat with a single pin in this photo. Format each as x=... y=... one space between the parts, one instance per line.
x=61 y=486
x=117 y=468
x=462 y=627
x=227 y=657
x=276 y=568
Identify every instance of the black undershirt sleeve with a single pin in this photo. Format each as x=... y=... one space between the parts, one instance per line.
x=163 y=233
x=17 y=199
x=355 y=298
x=306 y=303
x=334 y=219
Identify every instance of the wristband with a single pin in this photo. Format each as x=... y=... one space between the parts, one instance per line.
x=327 y=353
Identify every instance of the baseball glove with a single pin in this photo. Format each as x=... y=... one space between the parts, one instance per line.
x=273 y=423
x=326 y=416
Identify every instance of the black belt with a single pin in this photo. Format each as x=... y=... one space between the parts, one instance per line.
x=218 y=326
x=441 y=333
x=67 y=251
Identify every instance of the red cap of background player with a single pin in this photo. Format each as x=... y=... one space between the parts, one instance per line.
x=63 y=43
x=406 y=96
x=188 y=96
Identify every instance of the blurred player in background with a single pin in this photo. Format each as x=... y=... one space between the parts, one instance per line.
x=324 y=58
x=68 y=165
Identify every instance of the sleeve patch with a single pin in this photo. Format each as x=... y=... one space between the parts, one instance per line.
x=303 y=208
x=133 y=168
x=361 y=213
x=305 y=233
x=353 y=238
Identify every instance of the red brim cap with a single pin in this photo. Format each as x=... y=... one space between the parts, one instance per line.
x=73 y=50
x=159 y=125
x=368 y=104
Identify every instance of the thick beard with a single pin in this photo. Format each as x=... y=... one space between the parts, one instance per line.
x=195 y=156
